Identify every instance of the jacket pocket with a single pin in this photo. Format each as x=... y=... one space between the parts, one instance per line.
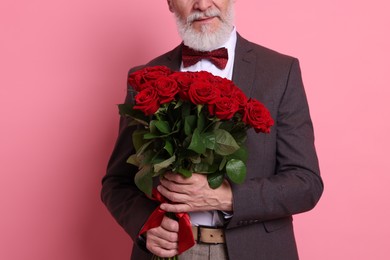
x=276 y=224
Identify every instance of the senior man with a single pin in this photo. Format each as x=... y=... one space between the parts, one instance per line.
x=252 y=220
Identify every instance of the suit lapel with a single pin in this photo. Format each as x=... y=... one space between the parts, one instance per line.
x=174 y=59
x=244 y=69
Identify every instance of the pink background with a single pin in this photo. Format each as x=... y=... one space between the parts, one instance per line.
x=63 y=68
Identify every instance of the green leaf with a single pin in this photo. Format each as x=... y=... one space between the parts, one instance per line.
x=145 y=157
x=197 y=145
x=133 y=159
x=152 y=127
x=189 y=124
x=209 y=156
x=143 y=180
x=204 y=167
x=138 y=139
x=144 y=147
x=186 y=173
x=225 y=143
x=216 y=125
x=137 y=115
x=240 y=154
x=186 y=109
x=125 y=109
x=164 y=164
x=223 y=163
x=149 y=136
x=227 y=125
x=163 y=126
x=236 y=171
x=168 y=147
x=215 y=179
x=239 y=136
x=136 y=121
x=209 y=139
x=195 y=158
x=178 y=104
x=200 y=124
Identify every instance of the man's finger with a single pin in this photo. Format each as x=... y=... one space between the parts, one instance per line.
x=172 y=196
x=161 y=247
x=170 y=225
x=176 y=208
x=177 y=178
x=172 y=186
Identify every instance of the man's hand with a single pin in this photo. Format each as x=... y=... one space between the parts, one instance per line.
x=194 y=194
x=162 y=240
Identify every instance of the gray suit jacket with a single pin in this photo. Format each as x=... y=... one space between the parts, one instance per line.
x=283 y=174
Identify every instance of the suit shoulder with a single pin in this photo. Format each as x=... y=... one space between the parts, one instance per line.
x=267 y=52
x=264 y=55
x=273 y=61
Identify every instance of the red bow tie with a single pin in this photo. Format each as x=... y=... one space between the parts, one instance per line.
x=218 y=57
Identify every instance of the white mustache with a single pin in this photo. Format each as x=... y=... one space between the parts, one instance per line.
x=202 y=15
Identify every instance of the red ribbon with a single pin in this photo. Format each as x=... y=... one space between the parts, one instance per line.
x=186 y=238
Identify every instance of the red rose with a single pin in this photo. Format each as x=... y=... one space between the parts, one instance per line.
x=135 y=80
x=204 y=76
x=257 y=116
x=230 y=90
x=147 y=101
x=241 y=98
x=184 y=81
x=203 y=92
x=166 y=89
x=224 y=108
x=153 y=73
x=226 y=87
x=149 y=74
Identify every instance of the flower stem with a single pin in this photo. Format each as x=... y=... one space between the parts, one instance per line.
x=165 y=258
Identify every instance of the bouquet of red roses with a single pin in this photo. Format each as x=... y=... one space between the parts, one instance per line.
x=190 y=122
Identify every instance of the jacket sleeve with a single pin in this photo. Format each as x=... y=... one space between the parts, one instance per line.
x=127 y=204
x=291 y=182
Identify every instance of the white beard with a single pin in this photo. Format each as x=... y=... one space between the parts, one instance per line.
x=206 y=40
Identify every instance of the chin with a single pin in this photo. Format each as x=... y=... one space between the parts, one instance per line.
x=205 y=37
x=209 y=35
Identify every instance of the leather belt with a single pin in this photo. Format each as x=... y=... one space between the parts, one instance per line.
x=208 y=235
